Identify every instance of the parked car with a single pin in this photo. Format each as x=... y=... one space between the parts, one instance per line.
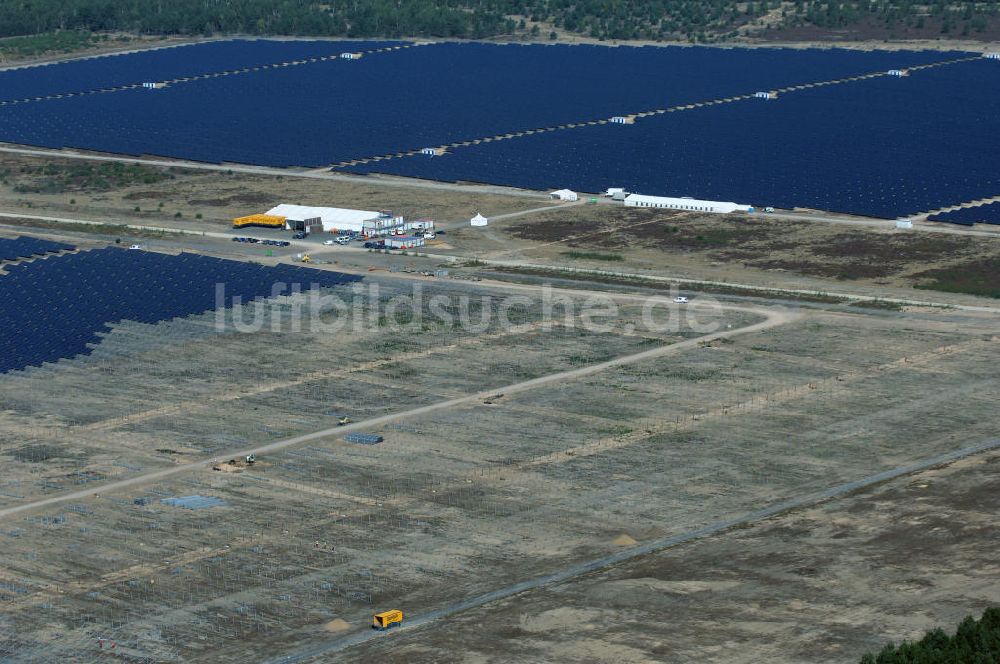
x=441 y=233
x=680 y=299
x=373 y=244
x=284 y=243
x=343 y=239
x=236 y=239
x=429 y=236
x=136 y=246
x=301 y=235
x=329 y=242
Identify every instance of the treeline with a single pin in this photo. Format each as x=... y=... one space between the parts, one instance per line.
x=975 y=642
x=693 y=20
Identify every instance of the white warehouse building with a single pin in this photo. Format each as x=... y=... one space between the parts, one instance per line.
x=303 y=217
x=691 y=204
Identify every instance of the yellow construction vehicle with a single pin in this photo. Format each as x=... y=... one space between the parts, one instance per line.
x=343 y=421
x=387 y=620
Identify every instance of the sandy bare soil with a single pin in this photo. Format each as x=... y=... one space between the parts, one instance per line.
x=300 y=549
x=306 y=544
x=824 y=584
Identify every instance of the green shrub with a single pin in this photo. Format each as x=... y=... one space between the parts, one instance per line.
x=974 y=642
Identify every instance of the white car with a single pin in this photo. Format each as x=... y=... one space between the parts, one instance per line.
x=329 y=242
x=136 y=246
x=429 y=236
x=680 y=299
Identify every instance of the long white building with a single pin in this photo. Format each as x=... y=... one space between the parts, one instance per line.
x=299 y=217
x=690 y=204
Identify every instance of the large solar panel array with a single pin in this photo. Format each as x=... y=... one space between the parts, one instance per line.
x=879 y=147
x=56 y=308
x=977 y=214
x=161 y=64
x=335 y=111
x=27 y=247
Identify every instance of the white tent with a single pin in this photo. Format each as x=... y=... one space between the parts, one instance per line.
x=479 y=220
x=694 y=205
x=564 y=195
x=340 y=219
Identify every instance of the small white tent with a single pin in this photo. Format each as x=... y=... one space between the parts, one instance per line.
x=564 y=195
x=478 y=220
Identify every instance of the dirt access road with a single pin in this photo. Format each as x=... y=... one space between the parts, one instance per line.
x=772 y=318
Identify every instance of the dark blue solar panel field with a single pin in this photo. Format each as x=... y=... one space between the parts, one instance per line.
x=863 y=142
x=57 y=308
x=976 y=214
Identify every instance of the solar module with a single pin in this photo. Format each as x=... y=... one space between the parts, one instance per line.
x=882 y=147
x=988 y=213
x=885 y=146
x=28 y=247
x=163 y=63
x=334 y=111
x=58 y=308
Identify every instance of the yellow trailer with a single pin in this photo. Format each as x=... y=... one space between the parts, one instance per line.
x=263 y=220
x=387 y=620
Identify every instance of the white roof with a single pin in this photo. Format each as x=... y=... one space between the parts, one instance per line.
x=614 y=190
x=479 y=217
x=328 y=215
x=563 y=192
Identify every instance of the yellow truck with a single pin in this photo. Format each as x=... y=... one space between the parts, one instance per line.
x=387 y=620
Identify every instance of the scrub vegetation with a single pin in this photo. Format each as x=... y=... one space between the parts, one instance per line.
x=688 y=20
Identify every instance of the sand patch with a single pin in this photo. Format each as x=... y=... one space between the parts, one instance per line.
x=337 y=625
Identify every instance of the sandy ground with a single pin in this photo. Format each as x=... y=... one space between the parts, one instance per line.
x=824 y=584
x=454 y=503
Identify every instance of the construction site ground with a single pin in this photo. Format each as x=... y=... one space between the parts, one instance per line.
x=510 y=452
x=816 y=585
x=303 y=546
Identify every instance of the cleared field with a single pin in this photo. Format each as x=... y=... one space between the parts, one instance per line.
x=308 y=542
x=818 y=585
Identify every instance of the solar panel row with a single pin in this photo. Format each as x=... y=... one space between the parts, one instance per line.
x=882 y=147
x=407 y=100
x=977 y=214
x=162 y=64
x=26 y=247
x=887 y=146
x=57 y=308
